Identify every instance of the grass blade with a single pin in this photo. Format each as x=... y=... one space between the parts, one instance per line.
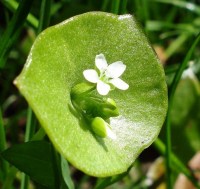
x=66 y=173
x=15 y=25
x=43 y=23
x=10 y=178
x=3 y=163
x=30 y=129
x=39 y=135
x=104 y=5
x=182 y=4
x=115 y=6
x=44 y=15
x=176 y=164
x=176 y=44
x=103 y=183
x=12 y=6
x=123 y=6
x=171 y=96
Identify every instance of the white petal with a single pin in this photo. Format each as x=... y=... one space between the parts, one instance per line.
x=110 y=133
x=120 y=84
x=103 y=88
x=188 y=73
x=115 y=69
x=100 y=62
x=91 y=75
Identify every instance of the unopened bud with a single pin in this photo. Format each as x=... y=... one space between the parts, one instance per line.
x=110 y=109
x=102 y=128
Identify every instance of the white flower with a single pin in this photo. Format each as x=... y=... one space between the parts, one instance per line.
x=189 y=72
x=109 y=75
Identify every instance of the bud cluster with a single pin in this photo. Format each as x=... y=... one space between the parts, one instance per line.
x=96 y=109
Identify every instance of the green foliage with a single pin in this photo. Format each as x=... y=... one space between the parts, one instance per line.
x=35 y=159
x=185 y=116
x=13 y=29
x=46 y=82
x=171 y=27
x=66 y=173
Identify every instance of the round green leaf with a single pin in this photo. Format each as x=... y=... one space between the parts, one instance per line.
x=55 y=65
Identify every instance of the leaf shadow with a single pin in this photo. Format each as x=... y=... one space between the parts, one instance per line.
x=85 y=126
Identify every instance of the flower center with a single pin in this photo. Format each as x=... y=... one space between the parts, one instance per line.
x=103 y=77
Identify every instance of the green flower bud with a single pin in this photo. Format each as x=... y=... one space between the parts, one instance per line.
x=110 y=109
x=102 y=128
x=80 y=89
x=111 y=102
x=92 y=105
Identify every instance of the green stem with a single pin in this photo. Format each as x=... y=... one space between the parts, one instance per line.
x=176 y=163
x=56 y=166
x=12 y=6
x=103 y=183
x=115 y=6
x=168 y=149
x=30 y=129
x=172 y=90
x=30 y=125
x=176 y=44
x=171 y=69
x=44 y=15
x=3 y=163
x=104 y=5
x=123 y=6
x=15 y=25
x=145 y=8
x=66 y=173
x=84 y=179
x=10 y=178
x=24 y=181
x=183 y=4
x=39 y=135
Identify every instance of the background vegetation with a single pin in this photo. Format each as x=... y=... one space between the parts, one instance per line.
x=172 y=27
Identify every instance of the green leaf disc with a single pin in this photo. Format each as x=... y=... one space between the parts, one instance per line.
x=55 y=64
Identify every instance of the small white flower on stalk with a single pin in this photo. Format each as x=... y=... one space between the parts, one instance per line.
x=109 y=75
